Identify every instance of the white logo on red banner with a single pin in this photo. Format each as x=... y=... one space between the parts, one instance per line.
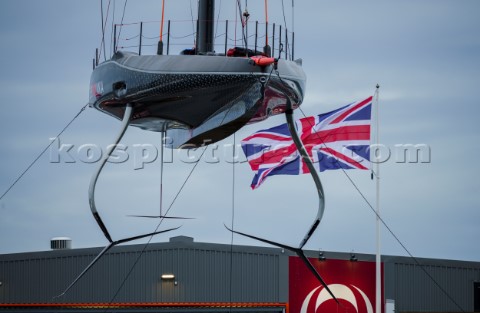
x=340 y=291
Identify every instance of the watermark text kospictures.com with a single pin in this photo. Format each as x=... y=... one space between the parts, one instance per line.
x=145 y=153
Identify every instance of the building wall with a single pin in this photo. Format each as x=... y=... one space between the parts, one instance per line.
x=215 y=273
x=202 y=274
x=414 y=291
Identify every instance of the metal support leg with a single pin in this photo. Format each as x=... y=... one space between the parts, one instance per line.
x=311 y=168
x=96 y=215
x=316 y=178
x=93 y=182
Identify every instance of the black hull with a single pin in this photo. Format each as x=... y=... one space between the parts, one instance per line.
x=196 y=99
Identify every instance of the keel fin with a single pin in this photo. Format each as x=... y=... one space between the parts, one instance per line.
x=105 y=250
x=298 y=251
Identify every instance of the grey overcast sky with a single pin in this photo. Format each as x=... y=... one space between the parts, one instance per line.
x=424 y=54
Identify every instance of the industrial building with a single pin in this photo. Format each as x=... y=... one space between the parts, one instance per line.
x=182 y=275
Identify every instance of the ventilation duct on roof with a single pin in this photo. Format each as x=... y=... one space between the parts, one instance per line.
x=60 y=243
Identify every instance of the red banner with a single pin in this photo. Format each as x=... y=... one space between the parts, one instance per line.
x=352 y=283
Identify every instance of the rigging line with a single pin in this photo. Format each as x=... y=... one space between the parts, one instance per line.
x=246 y=16
x=103 y=28
x=388 y=228
x=182 y=37
x=286 y=32
x=163 y=218
x=299 y=251
x=383 y=222
x=130 y=38
x=121 y=23
x=112 y=28
x=104 y=24
x=43 y=151
x=218 y=17
x=156 y=229
x=166 y=213
x=155 y=37
x=193 y=24
x=284 y=19
x=243 y=23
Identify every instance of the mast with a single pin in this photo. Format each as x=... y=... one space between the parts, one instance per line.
x=205 y=33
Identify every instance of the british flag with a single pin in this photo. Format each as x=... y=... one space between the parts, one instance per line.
x=339 y=139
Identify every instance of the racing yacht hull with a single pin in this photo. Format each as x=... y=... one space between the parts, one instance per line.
x=196 y=99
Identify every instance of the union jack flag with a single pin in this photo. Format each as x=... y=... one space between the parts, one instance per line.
x=339 y=139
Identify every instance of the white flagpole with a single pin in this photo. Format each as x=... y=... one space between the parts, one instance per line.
x=378 y=273
x=163 y=133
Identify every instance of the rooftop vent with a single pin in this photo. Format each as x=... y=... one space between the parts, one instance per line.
x=60 y=243
x=181 y=239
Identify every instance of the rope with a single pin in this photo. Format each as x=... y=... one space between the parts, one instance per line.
x=386 y=225
x=286 y=30
x=156 y=229
x=284 y=19
x=130 y=38
x=243 y=23
x=193 y=24
x=112 y=41
x=166 y=213
x=401 y=243
x=104 y=24
x=218 y=17
x=147 y=37
x=121 y=23
x=182 y=37
x=103 y=28
x=43 y=151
